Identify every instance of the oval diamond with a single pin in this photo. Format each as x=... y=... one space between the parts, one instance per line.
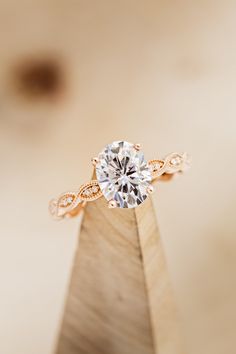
x=123 y=174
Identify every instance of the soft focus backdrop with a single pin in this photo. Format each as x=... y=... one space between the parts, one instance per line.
x=75 y=75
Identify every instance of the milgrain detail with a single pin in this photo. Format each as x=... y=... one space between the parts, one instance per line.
x=90 y=191
x=62 y=206
x=172 y=163
x=70 y=203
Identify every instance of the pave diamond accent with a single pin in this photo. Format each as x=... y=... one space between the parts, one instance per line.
x=90 y=191
x=123 y=174
x=66 y=200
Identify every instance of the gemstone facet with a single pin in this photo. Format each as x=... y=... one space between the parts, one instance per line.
x=123 y=174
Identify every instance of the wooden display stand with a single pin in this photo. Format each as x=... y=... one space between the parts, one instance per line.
x=119 y=299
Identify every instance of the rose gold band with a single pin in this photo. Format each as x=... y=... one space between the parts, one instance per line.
x=71 y=203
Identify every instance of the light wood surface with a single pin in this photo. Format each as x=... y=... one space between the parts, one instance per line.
x=119 y=299
x=161 y=73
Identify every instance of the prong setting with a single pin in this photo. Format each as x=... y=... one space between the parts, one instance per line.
x=112 y=204
x=137 y=146
x=116 y=168
x=150 y=189
x=94 y=161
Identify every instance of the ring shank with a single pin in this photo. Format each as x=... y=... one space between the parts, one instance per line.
x=70 y=204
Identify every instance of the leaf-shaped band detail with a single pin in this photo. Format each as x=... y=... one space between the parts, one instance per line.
x=172 y=163
x=90 y=191
x=68 y=201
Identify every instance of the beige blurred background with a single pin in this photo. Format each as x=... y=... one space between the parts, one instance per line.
x=75 y=75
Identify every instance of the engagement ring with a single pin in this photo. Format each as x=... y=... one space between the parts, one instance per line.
x=123 y=177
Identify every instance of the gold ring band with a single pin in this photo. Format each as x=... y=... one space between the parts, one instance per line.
x=123 y=163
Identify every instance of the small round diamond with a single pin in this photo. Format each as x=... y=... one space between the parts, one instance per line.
x=175 y=161
x=94 y=189
x=123 y=174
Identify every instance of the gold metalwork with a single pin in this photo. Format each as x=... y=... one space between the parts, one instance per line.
x=71 y=203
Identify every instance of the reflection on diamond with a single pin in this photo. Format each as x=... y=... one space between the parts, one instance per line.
x=123 y=174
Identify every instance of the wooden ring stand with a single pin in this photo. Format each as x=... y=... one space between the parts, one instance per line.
x=119 y=299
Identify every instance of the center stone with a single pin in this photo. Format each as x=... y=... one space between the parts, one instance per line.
x=123 y=174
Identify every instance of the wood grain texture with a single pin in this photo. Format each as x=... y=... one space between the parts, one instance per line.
x=119 y=299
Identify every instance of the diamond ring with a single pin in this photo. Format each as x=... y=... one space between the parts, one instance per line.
x=123 y=177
